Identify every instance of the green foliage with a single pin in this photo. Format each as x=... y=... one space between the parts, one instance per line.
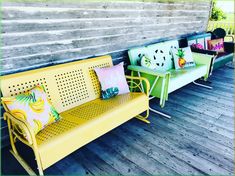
x=26 y=98
x=217 y=14
x=109 y=93
x=55 y=113
x=180 y=53
x=147 y=61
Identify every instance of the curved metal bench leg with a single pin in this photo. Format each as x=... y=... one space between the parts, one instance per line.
x=160 y=113
x=202 y=85
x=144 y=118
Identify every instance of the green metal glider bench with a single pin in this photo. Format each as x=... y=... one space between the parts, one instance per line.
x=220 y=58
x=165 y=79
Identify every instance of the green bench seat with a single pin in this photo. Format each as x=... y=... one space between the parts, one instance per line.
x=180 y=78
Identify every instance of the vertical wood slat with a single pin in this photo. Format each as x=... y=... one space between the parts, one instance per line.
x=46 y=33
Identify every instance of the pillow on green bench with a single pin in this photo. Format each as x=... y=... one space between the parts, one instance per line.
x=216 y=45
x=183 y=57
x=34 y=107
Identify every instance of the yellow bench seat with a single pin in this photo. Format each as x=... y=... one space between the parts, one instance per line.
x=84 y=123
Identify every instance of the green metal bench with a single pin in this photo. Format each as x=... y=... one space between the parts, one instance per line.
x=220 y=58
x=165 y=79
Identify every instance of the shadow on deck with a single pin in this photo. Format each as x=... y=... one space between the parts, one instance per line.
x=199 y=139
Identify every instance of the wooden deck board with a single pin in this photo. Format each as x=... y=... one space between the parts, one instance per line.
x=198 y=140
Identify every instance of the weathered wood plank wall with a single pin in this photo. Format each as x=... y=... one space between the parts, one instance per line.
x=46 y=33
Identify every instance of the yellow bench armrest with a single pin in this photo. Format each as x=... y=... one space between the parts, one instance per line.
x=134 y=84
x=15 y=125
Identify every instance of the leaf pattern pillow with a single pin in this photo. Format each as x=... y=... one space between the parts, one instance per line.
x=109 y=93
x=33 y=107
x=112 y=77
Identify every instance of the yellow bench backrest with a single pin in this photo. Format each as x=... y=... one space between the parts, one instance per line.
x=67 y=85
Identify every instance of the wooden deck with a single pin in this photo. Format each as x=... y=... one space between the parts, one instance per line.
x=198 y=140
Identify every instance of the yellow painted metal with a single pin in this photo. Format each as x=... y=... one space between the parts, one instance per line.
x=67 y=85
x=82 y=124
x=14 y=122
x=74 y=90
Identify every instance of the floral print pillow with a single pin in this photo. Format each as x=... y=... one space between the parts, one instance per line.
x=33 y=107
x=216 y=45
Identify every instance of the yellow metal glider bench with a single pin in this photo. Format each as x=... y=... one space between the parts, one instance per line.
x=74 y=90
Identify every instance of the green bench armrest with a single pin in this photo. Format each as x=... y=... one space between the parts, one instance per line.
x=147 y=70
x=204 y=59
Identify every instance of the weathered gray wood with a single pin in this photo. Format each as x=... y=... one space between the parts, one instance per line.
x=93 y=164
x=225 y=122
x=61 y=13
x=195 y=123
x=46 y=33
x=199 y=93
x=24 y=26
x=204 y=124
x=114 y=5
x=145 y=162
x=103 y=27
x=198 y=101
x=71 y=166
x=78 y=44
x=5 y=141
x=182 y=147
x=119 y=162
x=67 y=55
x=214 y=92
x=201 y=107
x=169 y=159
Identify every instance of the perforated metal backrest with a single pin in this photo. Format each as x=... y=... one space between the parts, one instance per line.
x=67 y=85
x=161 y=52
x=135 y=55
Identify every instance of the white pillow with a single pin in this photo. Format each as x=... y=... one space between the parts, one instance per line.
x=183 y=57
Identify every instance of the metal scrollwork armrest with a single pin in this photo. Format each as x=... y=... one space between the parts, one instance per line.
x=137 y=83
x=20 y=129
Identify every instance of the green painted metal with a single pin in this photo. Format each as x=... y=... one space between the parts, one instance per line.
x=201 y=38
x=162 y=51
x=204 y=59
x=169 y=80
x=219 y=60
x=146 y=70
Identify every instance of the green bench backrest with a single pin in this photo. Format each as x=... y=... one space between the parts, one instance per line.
x=161 y=51
x=201 y=38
